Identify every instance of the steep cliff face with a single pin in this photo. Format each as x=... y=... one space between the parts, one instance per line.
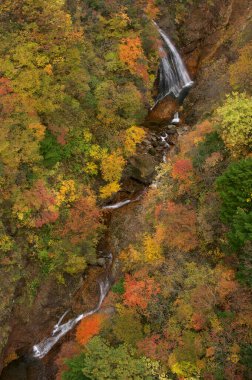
x=209 y=36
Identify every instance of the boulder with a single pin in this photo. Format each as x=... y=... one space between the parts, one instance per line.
x=141 y=168
x=163 y=111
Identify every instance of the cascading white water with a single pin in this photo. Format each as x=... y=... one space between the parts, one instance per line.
x=122 y=203
x=59 y=330
x=173 y=75
x=175 y=119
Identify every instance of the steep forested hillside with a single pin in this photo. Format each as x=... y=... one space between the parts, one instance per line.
x=77 y=83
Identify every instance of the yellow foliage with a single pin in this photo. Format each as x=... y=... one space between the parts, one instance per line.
x=134 y=135
x=241 y=70
x=10 y=358
x=112 y=166
x=6 y=243
x=130 y=257
x=38 y=129
x=234 y=358
x=235 y=123
x=66 y=193
x=48 y=69
x=216 y=325
x=96 y=152
x=189 y=140
x=91 y=168
x=109 y=189
x=152 y=249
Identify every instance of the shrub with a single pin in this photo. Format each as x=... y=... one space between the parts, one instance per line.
x=211 y=144
x=235 y=123
x=241 y=70
x=235 y=187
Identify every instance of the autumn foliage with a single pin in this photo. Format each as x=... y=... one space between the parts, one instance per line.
x=83 y=219
x=182 y=169
x=132 y=55
x=179 y=224
x=88 y=328
x=139 y=290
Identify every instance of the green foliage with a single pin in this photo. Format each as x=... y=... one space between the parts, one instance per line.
x=75 y=369
x=242 y=228
x=50 y=150
x=101 y=361
x=246 y=355
x=235 y=123
x=212 y=143
x=118 y=287
x=234 y=187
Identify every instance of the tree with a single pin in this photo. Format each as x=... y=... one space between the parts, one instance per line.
x=134 y=135
x=83 y=219
x=241 y=70
x=182 y=169
x=234 y=187
x=132 y=55
x=127 y=326
x=179 y=223
x=100 y=361
x=67 y=351
x=139 y=290
x=235 y=123
x=37 y=206
x=89 y=327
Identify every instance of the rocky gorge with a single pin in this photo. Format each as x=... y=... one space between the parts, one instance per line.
x=206 y=36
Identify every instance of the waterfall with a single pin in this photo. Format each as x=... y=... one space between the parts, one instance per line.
x=173 y=75
x=59 y=330
x=175 y=119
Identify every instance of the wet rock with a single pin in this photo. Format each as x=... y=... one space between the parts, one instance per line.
x=163 y=111
x=101 y=261
x=152 y=151
x=171 y=129
x=141 y=167
x=154 y=144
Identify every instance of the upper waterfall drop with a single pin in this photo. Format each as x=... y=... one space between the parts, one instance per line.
x=173 y=75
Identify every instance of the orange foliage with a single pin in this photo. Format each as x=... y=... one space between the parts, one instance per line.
x=88 y=328
x=198 y=321
x=139 y=290
x=151 y=9
x=182 y=169
x=227 y=284
x=131 y=53
x=179 y=222
x=83 y=219
x=192 y=138
x=5 y=87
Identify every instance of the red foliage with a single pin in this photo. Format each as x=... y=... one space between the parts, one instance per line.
x=182 y=169
x=60 y=133
x=198 y=321
x=5 y=87
x=83 y=220
x=139 y=290
x=42 y=200
x=89 y=327
x=154 y=347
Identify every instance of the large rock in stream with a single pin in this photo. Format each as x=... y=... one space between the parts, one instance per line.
x=141 y=168
x=163 y=112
